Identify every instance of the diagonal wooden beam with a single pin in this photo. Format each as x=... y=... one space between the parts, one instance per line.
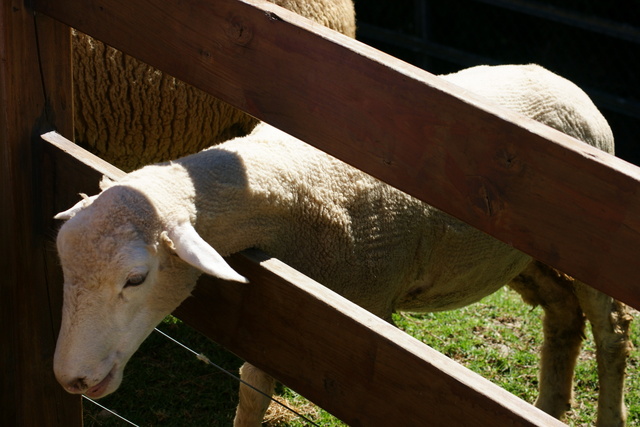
x=557 y=199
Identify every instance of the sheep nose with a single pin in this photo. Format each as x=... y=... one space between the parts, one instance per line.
x=76 y=386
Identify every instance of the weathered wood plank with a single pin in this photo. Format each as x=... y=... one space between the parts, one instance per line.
x=340 y=356
x=28 y=312
x=355 y=365
x=89 y=175
x=559 y=200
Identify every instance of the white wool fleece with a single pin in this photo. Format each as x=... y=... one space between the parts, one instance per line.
x=540 y=95
x=362 y=238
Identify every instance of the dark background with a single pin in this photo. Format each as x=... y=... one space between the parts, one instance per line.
x=594 y=43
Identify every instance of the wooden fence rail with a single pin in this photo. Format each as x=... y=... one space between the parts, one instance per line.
x=547 y=194
x=557 y=199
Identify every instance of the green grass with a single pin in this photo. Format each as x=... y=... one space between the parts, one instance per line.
x=498 y=338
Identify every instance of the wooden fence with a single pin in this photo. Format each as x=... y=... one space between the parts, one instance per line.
x=559 y=200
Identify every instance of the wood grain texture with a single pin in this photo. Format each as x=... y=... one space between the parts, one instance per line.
x=29 y=313
x=343 y=358
x=547 y=194
x=355 y=365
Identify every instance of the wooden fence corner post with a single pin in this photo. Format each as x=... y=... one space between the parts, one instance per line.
x=35 y=95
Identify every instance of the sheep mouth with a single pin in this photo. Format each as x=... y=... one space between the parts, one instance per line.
x=101 y=389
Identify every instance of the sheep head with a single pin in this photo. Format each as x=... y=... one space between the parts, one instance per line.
x=125 y=268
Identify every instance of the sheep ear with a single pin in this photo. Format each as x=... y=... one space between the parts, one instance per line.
x=195 y=251
x=71 y=212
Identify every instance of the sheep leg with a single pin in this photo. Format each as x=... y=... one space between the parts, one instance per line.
x=610 y=321
x=563 y=327
x=253 y=405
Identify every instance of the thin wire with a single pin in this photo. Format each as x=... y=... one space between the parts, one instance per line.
x=110 y=411
x=205 y=359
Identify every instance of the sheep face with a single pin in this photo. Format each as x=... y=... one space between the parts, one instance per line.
x=124 y=271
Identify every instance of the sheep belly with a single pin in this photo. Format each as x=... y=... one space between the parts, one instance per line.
x=462 y=269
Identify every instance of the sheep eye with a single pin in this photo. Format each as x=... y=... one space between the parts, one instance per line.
x=135 y=280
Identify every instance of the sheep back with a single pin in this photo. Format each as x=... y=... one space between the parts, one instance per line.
x=541 y=95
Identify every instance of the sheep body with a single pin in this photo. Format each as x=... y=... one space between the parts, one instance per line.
x=131 y=114
x=372 y=243
x=319 y=215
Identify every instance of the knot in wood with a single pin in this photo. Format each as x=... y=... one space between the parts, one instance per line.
x=238 y=32
x=483 y=195
x=508 y=159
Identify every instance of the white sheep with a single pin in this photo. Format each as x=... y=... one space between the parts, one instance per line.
x=133 y=253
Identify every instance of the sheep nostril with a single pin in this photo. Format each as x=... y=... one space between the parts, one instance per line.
x=77 y=386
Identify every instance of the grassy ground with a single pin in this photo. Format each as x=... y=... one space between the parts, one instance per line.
x=166 y=385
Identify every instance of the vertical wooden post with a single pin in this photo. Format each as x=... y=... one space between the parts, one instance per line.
x=35 y=95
